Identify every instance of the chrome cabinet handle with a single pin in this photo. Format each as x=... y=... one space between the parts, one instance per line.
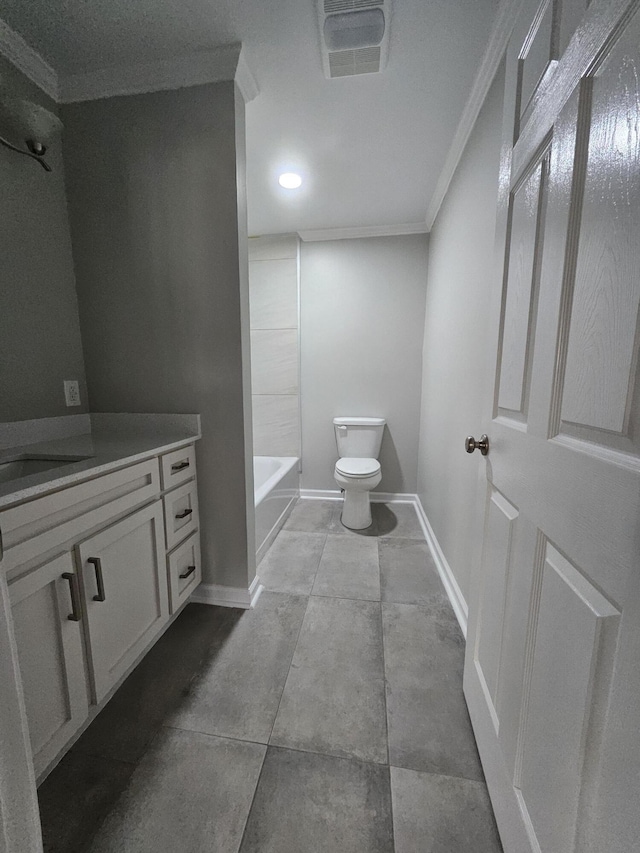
x=97 y=565
x=482 y=444
x=184 y=513
x=74 y=616
x=179 y=466
x=190 y=571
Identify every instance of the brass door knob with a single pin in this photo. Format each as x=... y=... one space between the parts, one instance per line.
x=470 y=444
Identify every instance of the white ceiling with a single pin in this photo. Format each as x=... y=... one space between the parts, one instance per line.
x=370 y=148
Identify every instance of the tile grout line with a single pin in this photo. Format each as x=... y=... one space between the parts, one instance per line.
x=313 y=582
x=295 y=749
x=275 y=716
x=284 y=686
x=253 y=799
x=483 y=784
x=386 y=708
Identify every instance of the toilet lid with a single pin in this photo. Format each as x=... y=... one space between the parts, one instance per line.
x=351 y=466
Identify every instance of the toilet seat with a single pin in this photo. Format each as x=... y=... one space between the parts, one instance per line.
x=357 y=468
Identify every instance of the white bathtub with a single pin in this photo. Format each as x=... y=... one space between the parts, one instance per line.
x=276 y=485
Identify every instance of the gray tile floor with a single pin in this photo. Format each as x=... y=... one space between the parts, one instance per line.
x=330 y=719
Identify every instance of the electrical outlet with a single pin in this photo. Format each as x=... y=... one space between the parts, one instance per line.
x=71 y=392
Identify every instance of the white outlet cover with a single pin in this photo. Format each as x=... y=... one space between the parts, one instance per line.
x=71 y=392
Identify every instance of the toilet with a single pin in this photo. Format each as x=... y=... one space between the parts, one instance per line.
x=357 y=470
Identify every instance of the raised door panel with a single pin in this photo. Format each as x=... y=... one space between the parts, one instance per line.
x=598 y=387
x=571 y=638
x=51 y=657
x=521 y=290
x=126 y=595
x=544 y=45
x=499 y=533
x=539 y=54
x=570 y=13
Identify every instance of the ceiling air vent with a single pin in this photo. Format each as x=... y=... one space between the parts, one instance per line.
x=354 y=36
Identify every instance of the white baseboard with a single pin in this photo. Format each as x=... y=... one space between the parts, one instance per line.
x=228 y=596
x=375 y=497
x=444 y=569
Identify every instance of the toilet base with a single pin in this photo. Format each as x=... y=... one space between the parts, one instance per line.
x=356 y=510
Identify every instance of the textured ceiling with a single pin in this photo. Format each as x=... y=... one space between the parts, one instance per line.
x=370 y=148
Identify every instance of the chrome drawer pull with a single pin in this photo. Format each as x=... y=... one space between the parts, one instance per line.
x=74 y=616
x=190 y=571
x=179 y=466
x=97 y=565
x=184 y=513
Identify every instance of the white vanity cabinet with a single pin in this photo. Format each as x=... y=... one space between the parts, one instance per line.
x=95 y=573
x=125 y=593
x=47 y=618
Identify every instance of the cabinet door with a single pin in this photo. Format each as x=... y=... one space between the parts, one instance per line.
x=45 y=606
x=125 y=588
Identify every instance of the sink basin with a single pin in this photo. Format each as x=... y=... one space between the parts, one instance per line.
x=15 y=469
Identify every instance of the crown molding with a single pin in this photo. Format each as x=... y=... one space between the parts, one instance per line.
x=320 y=234
x=247 y=84
x=211 y=66
x=14 y=48
x=502 y=28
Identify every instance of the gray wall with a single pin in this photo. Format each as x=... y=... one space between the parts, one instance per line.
x=461 y=266
x=40 y=342
x=362 y=308
x=275 y=357
x=153 y=197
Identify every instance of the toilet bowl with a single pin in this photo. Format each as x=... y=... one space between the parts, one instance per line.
x=357 y=470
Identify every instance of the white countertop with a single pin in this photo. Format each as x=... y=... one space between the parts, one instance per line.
x=114 y=440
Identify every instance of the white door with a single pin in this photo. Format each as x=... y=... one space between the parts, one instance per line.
x=126 y=595
x=552 y=672
x=46 y=610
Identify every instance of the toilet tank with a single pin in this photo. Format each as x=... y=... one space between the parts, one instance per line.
x=359 y=437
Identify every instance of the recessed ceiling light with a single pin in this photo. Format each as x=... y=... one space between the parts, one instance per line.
x=290 y=181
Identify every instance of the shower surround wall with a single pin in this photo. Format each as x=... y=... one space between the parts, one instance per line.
x=275 y=383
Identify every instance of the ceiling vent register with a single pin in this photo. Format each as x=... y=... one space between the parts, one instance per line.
x=354 y=36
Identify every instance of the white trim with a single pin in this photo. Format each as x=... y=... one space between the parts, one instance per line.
x=315 y=236
x=375 y=497
x=447 y=577
x=500 y=34
x=255 y=591
x=228 y=596
x=14 y=48
x=320 y=494
x=211 y=66
x=247 y=83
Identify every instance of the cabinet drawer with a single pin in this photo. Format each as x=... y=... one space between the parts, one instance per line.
x=178 y=466
x=184 y=568
x=181 y=513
